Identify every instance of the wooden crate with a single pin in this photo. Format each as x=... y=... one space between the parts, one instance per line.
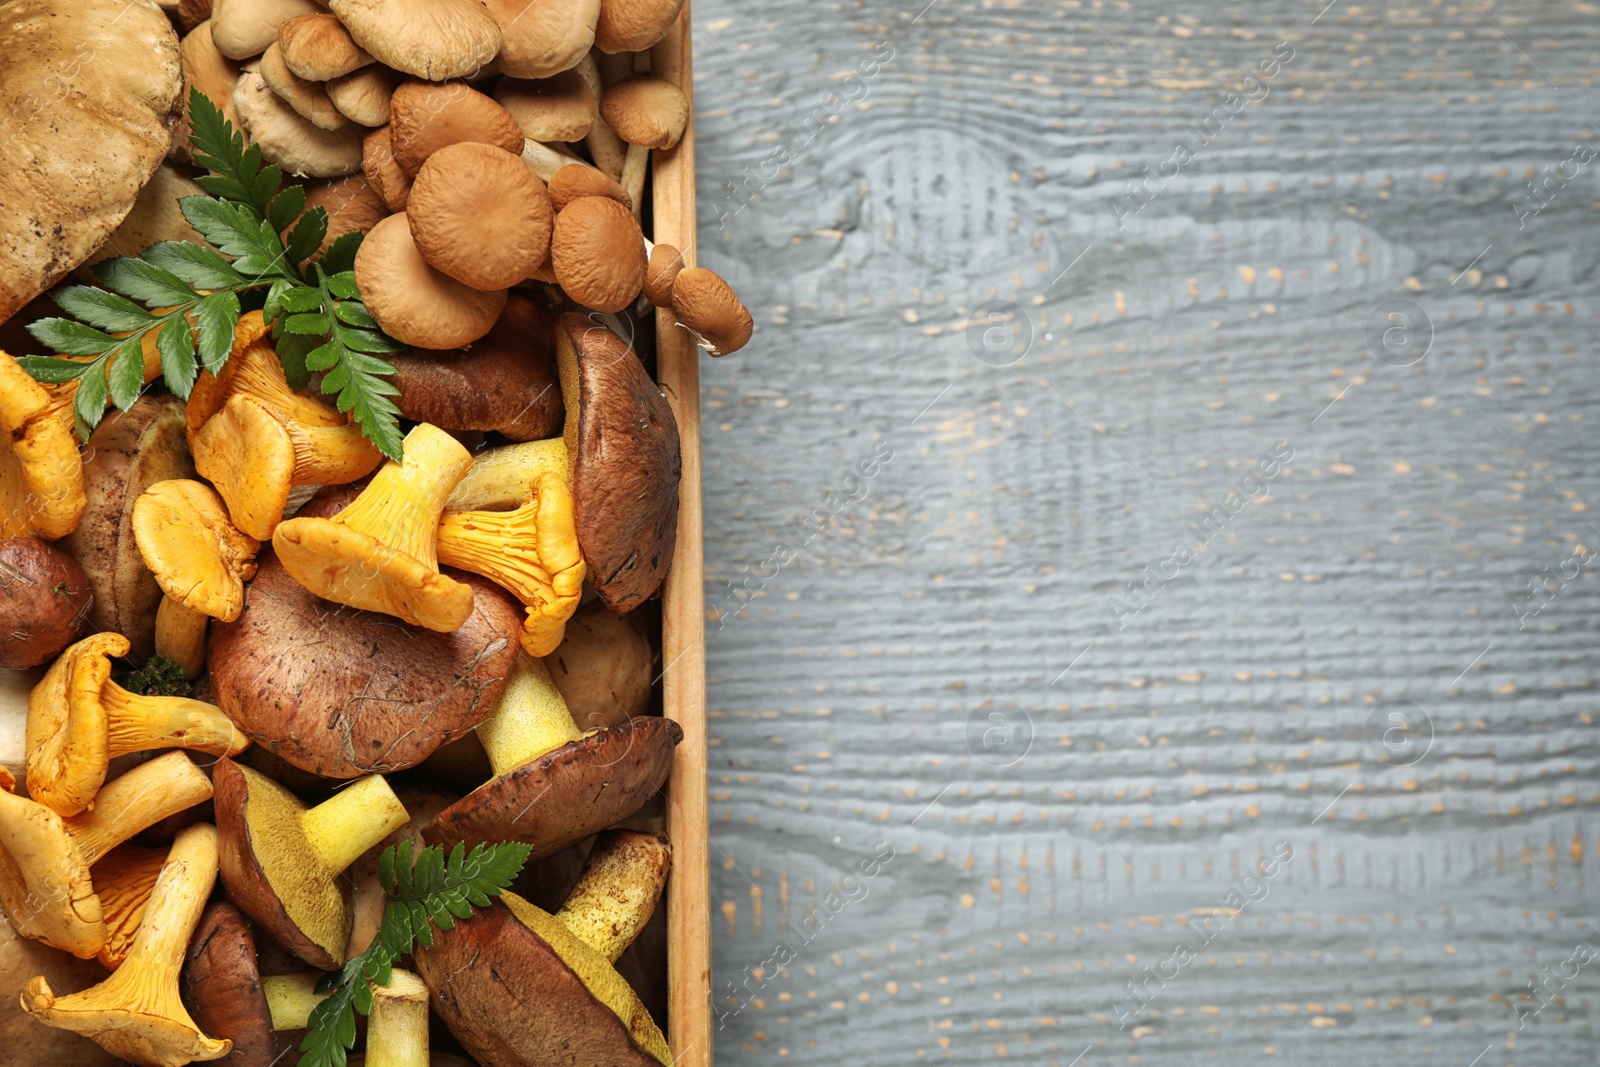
x=683 y=607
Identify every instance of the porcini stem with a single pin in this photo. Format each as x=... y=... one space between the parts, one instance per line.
x=401 y=505
x=137 y=1013
x=143 y=797
x=141 y=723
x=530 y=720
x=351 y=821
x=500 y=477
x=397 y=1029
x=181 y=635
x=291 y=998
x=622 y=880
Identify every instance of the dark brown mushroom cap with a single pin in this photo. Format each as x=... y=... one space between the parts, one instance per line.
x=221 y=987
x=44 y=598
x=342 y=692
x=507 y=996
x=564 y=796
x=626 y=463
x=505 y=382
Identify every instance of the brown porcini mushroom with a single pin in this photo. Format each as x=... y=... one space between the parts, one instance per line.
x=557 y=108
x=413 y=302
x=708 y=308
x=381 y=170
x=41 y=474
x=554 y=784
x=621 y=883
x=432 y=39
x=634 y=25
x=425 y=116
x=244 y=28
x=665 y=264
x=44 y=600
x=573 y=181
x=137 y=1012
x=504 y=383
x=647 y=113
x=363 y=96
x=397 y=1028
x=479 y=215
x=300 y=147
x=378 y=553
x=597 y=253
x=622 y=443
x=318 y=48
x=531 y=551
x=282 y=861
x=604 y=668
x=541 y=38
x=352 y=203
x=214 y=74
x=49 y=858
x=308 y=98
x=79 y=720
x=200 y=560
x=123 y=880
x=291 y=998
x=222 y=987
x=499 y=477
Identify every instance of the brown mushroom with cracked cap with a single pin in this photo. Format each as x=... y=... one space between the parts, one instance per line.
x=597 y=253
x=413 y=302
x=604 y=668
x=318 y=48
x=634 y=25
x=479 y=215
x=41 y=473
x=626 y=462
x=504 y=383
x=282 y=861
x=79 y=720
x=555 y=784
x=557 y=108
x=308 y=98
x=378 y=553
x=294 y=143
x=432 y=39
x=425 y=117
x=44 y=602
x=520 y=987
x=214 y=74
x=244 y=28
x=95 y=85
x=363 y=96
x=200 y=560
x=574 y=181
x=647 y=113
x=543 y=37
x=47 y=857
x=137 y=1012
x=223 y=989
x=708 y=308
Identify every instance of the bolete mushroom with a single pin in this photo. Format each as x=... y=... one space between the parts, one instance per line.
x=557 y=108
x=647 y=113
x=709 y=309
x=44 y=601
x=41 y=473
x=294 y=143
x=597 y=253
x=531 y=551
x=604 y=668
x=555 y=784
x=622 y=443
x=378 y=553
x=291 y=998
x=244 y=28
x=308 y=98
x=634 y=25
x=506 y=382
x=223 y=989
x=137 y=1012
x=318 y=48
x=46 y=857
x=425 y=116
x=573 y=181
x=123 y=880
x=363 y=96
x=541 y=38
x=432 y=39
x=79 y=720
x=478 y=214
x=397 y=1028
x=413 y=302
x=282 y=861
x=519 y=987
x=368 y=899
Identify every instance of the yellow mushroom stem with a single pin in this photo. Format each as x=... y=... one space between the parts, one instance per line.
x=351 y=821
x=137 y=1013
x=181 y=635
x=138 y=723
x=532 y=552
x=530 y=720
x=143 y=797
x=402 y=504
x=291 y=998
x=500 y=477
x=622 y=880
x=397 y=1028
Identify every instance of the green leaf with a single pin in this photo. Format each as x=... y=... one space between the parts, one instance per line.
x=368 y=341
x=89 y=405
x=306 y=237
x=238 y=230
x=340 y=258
x=127 y=373
x=150 y=285
x=70 y=338
x=197 y=265
x=215 y=316
x=314 y=325
x=52 y=371
x=175 y=342
x=286 y=207
x=108 y=311
x=354 y=313
x=274 y=301
x=292 y=349
x=303 y=298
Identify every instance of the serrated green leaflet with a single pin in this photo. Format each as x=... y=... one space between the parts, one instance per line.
x=185 y=297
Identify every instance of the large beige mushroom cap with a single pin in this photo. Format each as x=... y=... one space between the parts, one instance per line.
x=634 y=25
x=90 y=92
x=646 y=111
x=543 y=37
x=290 y=141
x=480 y=215
x=244 y=28
x=597 y=253
x=155 y=217
x=432 y=39
x=413 y=302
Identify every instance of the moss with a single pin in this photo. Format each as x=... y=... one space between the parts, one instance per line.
x=159 y=677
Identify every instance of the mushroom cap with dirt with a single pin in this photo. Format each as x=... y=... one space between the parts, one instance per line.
x=44 y=602
x=41 y=473
x=96 y=85
x=541 y=38
x=415 y=303
x=622 y=443
x=341 y=692
x=432 y=39
x=478 y=214
x=222 y=987
x=282 y=861
x=554 y=784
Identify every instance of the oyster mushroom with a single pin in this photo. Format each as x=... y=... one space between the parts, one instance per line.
x=363 y=96
x=308 y=98
x=554 y=784
x=318 y=48
x=282 y=861
x=44 y=602
x=245 y=28
x=296 y=144
x=137 y=1012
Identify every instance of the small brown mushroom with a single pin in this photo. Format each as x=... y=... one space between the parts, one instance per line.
x=308 y=98
x=647 y=113
x=597 y=253
x=604 y=668
x=413 y=302
x=318 y=48
x=352 y=203
x=634 y=25
x=426 y=116
x=666 y=263
x=708 y=308
x=558 y=108
x=543 y=37
x=432 y=39
x=478 y=214
x=222 y=988
x=379 y=166
x=363 y=96
x=574 y=181
x=45 y=597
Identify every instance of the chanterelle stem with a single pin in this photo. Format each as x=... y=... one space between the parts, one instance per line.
x=140 y=723
x=354 y=819
x=531 y=719
x=401 y=505
x=143 y=797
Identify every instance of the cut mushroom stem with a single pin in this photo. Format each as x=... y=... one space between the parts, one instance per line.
x=531 y=720
x=351 y=821
x=622 y=881
x=397 y=1027
x=291 y=998
x=137 y=1012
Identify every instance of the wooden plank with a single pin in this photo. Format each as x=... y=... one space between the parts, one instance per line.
x=683 y=608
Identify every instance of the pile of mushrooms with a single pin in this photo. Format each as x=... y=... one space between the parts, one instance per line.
x=241 y=652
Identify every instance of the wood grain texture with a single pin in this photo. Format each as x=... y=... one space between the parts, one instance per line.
x=854 y=666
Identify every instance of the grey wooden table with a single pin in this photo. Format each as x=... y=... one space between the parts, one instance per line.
x=1120 y=532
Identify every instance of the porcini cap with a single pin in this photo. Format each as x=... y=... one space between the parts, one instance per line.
x=634 y=25
x=478 y=214
x=558 y=108
x=543 y=37
x=318 y=47
x=577 y=179
x=597 y=253
x=433 y=39
x=424 y=117
x=646 y=111
x=413 y=302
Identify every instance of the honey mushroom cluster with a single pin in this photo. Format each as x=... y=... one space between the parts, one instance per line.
x=481 y=146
